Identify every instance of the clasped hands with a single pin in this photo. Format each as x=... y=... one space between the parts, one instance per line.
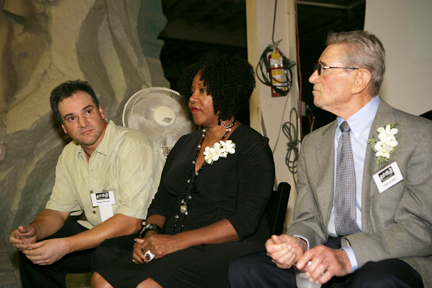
x=42 y=253
x=320 y=263
x=158 y=244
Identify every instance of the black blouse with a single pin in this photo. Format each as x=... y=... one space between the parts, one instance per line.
x=236 y=188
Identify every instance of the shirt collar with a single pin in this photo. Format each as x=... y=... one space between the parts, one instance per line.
x=363 y=118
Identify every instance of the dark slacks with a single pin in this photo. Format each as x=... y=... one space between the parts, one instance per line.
x=53 y=276
x=111 y=249
x=258 y=271
x=33 y=275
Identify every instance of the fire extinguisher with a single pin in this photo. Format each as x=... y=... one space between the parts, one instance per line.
x=277 y=73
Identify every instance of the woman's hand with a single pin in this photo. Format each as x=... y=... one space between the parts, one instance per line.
x=164 y=244
x=158 y=244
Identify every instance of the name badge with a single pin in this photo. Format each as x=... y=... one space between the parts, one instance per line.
x=104 y=200
x=388 y=177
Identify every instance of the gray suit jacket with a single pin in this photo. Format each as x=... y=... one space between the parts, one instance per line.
x=397 y=223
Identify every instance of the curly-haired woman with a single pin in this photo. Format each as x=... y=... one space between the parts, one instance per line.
x=213 y=192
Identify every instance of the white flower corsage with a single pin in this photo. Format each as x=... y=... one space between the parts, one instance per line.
x=387 y=143
x=220 y=149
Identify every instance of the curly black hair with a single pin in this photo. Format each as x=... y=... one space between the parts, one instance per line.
x=229 y=80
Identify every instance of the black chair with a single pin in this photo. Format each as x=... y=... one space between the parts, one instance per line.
x=276 y=208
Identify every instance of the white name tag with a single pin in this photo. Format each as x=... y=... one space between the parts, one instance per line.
x=388 y=177
x=104 y=200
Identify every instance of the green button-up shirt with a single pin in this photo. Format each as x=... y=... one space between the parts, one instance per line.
x=125 y=161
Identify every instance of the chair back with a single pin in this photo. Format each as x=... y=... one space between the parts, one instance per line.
x=276 y=208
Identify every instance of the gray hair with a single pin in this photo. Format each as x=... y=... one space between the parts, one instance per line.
x=363 y=50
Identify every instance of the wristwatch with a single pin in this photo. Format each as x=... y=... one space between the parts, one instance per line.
x=150 y=227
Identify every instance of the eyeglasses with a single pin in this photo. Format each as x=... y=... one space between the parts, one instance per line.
x=319 y=66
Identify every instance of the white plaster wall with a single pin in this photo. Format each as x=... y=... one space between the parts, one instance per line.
x=405 y=28
x=265 y=110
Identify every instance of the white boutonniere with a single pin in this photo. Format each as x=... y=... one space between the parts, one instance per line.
x=220 y=149
x=387 y=143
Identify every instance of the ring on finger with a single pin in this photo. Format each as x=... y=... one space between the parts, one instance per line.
x=148 y=256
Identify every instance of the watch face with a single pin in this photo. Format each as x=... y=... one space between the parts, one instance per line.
x=153 y=227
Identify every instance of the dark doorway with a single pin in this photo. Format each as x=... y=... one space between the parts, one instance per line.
x=198 y=26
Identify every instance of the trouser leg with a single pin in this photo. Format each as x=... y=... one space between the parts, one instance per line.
x=111 y=249
x=258 y=271
x=33 y=275
x=390 y=273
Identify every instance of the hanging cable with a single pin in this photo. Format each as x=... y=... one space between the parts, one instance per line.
x=274 y=22
x=290 y=131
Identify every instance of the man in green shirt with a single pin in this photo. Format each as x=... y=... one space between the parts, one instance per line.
x=109 y=172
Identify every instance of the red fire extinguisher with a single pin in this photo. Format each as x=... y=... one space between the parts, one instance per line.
x=276 y=72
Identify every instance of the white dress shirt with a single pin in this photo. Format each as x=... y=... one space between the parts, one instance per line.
x=360 y=124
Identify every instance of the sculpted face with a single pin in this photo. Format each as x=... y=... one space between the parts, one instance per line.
x=332 y=89
x=201 y=104
x=82 y=120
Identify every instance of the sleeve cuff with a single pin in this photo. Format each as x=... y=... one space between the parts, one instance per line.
x=307 y=241
x=348 y=250
x=352 y=258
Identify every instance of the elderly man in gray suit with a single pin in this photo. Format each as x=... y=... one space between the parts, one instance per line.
x=363 y=214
